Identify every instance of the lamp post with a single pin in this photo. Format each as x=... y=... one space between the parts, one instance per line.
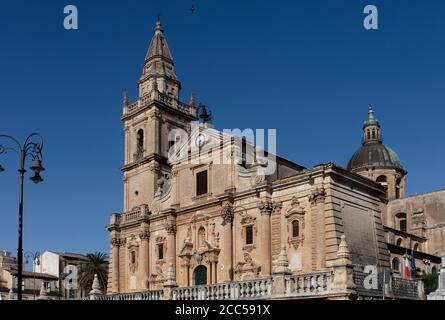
x=35 y=262
x=32 y=147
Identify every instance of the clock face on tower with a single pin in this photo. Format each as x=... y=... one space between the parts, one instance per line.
x=200 y=140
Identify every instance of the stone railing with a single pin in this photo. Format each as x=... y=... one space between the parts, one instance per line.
x=392 y=288
x=310 y=284
x=135 y=214
x=251 y=289
x=161 y=97
x=146 y=295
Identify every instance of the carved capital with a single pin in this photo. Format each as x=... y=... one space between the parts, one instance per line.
x=117 y=242
x=277 y=206
x=227 y=213
x=155 y=167
x=317 y=196
x=171 y=229
x=144 y=235
x=266 y=207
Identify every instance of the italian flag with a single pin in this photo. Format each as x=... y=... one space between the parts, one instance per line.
x=407 y=269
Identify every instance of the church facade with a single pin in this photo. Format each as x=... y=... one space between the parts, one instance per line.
x=205 y=217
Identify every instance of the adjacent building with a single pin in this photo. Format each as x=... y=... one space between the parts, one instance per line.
x=64 y=266
x=54 y=275
x=33 y=283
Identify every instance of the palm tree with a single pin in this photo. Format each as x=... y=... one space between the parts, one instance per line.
x=96 y=263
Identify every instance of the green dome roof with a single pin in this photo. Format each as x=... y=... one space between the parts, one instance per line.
x=374 y=155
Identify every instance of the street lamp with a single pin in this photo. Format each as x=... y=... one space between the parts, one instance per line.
x=31 y=148
x=35 y=262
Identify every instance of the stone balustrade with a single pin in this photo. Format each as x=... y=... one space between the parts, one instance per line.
x=313 y=285
x=309 y=284
x=135 y=214
x=250 y=289
x=146 y=295
x=161 y=97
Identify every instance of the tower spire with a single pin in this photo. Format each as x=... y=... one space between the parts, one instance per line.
x=159 y=66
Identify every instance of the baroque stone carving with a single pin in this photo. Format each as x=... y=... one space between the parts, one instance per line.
x=247 y=269
x=227 y=214
x=276 y=206
x=144 y=235
x=295 y=212
x=266 y=207
x=171 y=229
x=317 y=196
x=118 y=242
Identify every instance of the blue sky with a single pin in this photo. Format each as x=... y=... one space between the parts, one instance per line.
x=307 y=68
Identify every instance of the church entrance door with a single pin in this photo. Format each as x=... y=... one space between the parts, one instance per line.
x=200 y=275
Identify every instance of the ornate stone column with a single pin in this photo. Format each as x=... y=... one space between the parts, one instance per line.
x=171 y=241
x=115 y=244
x=144 y=266
x=227 y=259
x=215 y=271
x=317 y=221
x=266 y=208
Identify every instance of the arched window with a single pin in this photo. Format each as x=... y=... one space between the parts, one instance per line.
x=133 y=257
x=399 y=242
x=368 y=134
x=382 y=180
x=295 y=228
x=401 y=221
x=373 y=133
x=140 y=141
x=416 y=246
x=396 y=264
x=434 y=270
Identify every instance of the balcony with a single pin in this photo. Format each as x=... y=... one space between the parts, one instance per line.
x=144 y=101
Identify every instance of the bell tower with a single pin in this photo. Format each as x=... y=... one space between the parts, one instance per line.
x=147 y=123
x=371 y=129
x=159 y=72
x=377 y=161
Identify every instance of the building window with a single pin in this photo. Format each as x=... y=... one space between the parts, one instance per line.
x=401 y=221
x=202 y=183
x=249 y=235
x=399 y=242
x=398 y=183
x=140 y=141
x=161 y=251
x=382 y=180
x=396 y=265
x=434 y=270
x=295 y=228
x=47 y=286
x=133 y=257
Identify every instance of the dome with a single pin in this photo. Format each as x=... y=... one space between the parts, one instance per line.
x=374 y=155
